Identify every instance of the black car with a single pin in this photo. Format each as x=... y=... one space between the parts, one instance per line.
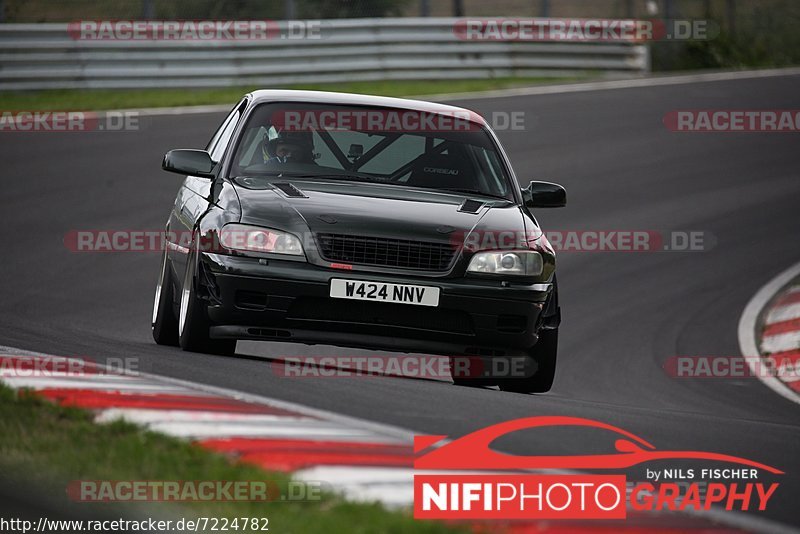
x=359 y=221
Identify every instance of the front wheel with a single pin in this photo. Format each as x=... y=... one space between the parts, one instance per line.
x=193 y=322
x=544 y=354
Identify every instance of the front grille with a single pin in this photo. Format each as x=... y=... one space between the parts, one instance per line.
x=385 y=252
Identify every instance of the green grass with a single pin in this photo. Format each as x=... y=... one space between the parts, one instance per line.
x=146 y=98
x=46 y=446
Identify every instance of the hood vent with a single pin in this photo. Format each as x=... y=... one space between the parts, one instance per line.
x=470 y=206
x=290 y=190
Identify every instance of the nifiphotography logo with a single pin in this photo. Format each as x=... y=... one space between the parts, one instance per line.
x=506 y=491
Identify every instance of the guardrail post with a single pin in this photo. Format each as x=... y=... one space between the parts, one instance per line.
x=629 y=9
x=730 y=8
x=289 y=10
x=669 y=9
x=148 y=9
x=424 y=8
x=544 y=9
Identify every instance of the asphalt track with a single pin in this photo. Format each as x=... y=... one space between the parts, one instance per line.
x=624 y=314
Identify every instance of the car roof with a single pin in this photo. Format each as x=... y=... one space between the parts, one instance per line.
x=354 y=99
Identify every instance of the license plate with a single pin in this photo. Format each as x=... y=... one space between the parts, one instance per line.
x=385 y=292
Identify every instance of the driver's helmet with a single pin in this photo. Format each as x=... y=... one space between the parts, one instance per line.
x=288 y=147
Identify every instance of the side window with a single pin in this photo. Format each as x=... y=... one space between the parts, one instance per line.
x=250 y=146
x=216 y=147
x=220 y=128
x=225 y=136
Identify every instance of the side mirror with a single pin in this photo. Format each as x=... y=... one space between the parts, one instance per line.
x=188 y=161
x=544 y=195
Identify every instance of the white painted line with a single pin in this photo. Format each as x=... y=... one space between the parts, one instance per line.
x=747 y=331
x=76 y=377
x=386 y=433
x=779 y=314
x=149 y=416
x=313 y=432
x=117 y=386
x=781 y=342
x=628 y=83
x=15 y=372
x=366 y=475
x=788 y=375
x=391 y=486
x=178 y=110
x=378 y=432
x=358 y=475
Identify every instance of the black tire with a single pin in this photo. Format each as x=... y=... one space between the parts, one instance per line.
x=164 y=323
x=467 y=381
x=544 y=354
x=193 y=322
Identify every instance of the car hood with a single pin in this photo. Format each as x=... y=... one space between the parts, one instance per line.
x=370 y=209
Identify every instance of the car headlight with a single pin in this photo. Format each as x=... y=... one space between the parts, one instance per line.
x=518 y=262
x=255 y=239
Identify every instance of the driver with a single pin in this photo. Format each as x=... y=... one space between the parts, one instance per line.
x=289 y=147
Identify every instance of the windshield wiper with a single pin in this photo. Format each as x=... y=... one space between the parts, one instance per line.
x=332 y=176
x=282 y=174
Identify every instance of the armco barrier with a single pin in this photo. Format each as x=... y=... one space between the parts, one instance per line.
x=45 y=56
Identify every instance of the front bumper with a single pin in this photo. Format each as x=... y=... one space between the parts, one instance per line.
x=289 y=301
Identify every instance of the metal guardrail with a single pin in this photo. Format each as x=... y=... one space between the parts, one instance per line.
x=45 y=56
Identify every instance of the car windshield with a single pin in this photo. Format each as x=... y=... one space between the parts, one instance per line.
x=406 y=148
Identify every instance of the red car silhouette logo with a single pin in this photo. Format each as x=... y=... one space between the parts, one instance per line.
x=473 y=452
